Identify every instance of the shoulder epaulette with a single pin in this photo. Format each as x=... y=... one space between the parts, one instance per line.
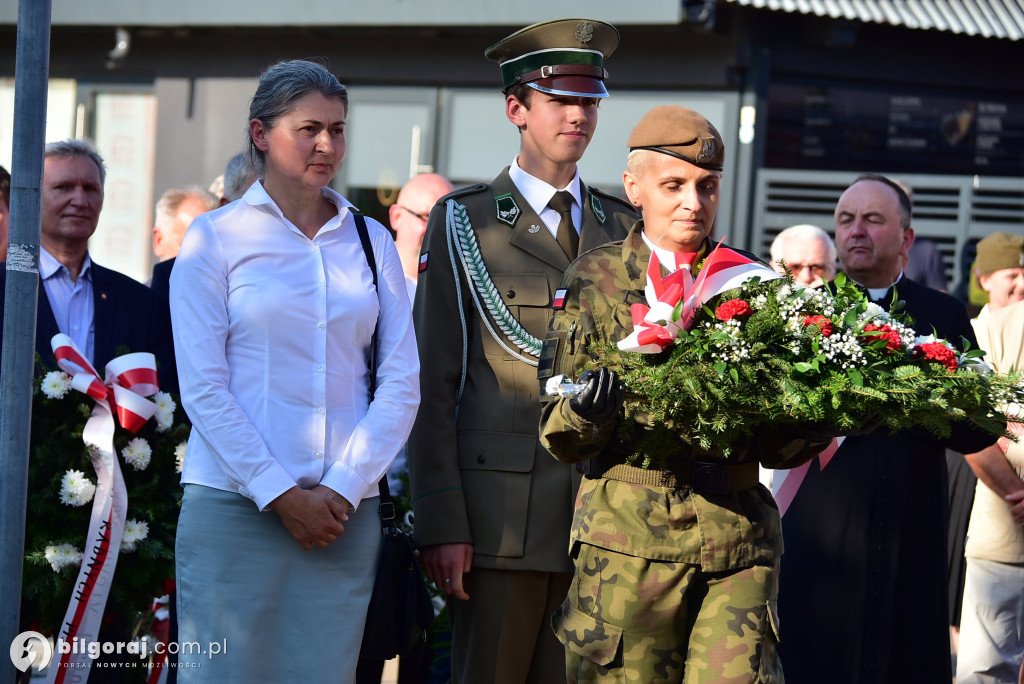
x=604 y=195
x=462 y=192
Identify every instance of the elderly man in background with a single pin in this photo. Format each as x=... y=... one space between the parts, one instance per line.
x=103 y=311
x=807 y=252
x=408 y=216
x=240 y=173
x=175 y=211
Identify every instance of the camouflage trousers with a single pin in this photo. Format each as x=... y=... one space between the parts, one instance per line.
x=629 y=619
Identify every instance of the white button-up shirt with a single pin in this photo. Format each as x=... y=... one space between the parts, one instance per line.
x=272 y=332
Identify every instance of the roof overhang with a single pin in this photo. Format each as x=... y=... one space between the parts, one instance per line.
x=983 y=18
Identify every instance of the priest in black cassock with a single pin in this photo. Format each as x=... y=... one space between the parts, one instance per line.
x=863 y=596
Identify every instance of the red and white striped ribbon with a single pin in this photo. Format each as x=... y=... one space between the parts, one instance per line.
x=129 y=380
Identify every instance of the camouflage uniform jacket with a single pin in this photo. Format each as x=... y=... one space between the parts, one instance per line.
x=477 y=472
x=716 y=532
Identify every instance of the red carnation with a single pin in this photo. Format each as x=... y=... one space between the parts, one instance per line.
x=884 y=332
x=732 y=309
x=823 y=323
x=938 y=352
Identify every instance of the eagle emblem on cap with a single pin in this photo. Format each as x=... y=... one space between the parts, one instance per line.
x=707 y=149
x=584 y=31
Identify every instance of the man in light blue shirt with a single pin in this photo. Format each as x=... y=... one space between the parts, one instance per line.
x=106 y=313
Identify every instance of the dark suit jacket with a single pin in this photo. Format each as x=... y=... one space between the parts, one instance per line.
x=127 y=317
x=160 y=283
x=863 y=592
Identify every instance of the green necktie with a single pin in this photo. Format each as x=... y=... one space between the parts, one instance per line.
x=568 y=238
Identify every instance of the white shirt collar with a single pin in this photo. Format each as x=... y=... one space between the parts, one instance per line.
x=537 y=192
x=48 y=265
x=257 y=197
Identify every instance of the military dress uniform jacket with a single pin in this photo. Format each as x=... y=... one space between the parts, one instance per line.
x=477 y=472
x=717 y=532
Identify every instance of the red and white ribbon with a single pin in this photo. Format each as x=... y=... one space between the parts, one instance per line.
x=655 y=326
x=786 y=483
x=128 y=381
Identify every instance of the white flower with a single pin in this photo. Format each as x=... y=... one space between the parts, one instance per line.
x=164 y=411
x=62 y=555
x=76 y=489
x=928 y=339
x=134 y=532
x=56 y=384
x=137 y=453
x=179 y=456
x=874 y=314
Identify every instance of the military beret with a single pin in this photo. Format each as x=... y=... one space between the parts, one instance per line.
x=561 y=57
x=998 y=251
x=680 y=132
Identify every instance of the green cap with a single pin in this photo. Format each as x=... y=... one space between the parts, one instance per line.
x=998 y=251
x=561 y=57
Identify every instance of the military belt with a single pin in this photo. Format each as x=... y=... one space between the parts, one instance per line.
x=702 y=477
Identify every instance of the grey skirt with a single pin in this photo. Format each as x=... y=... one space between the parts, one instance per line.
x=254 y=606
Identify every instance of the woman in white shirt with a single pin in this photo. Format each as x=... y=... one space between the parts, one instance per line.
x=274 y=310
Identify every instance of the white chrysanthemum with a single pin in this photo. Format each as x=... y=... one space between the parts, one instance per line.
x=165 y=407
x=179 y=456
x=874 y=314
x=137 y=453
x=56 y=384
x=928 y=339
x=134 y=532
x=62 y=555
x=76 y=489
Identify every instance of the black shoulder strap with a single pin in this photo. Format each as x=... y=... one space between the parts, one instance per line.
x=387 y=508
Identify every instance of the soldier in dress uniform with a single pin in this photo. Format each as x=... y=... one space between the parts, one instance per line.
x=492 y=508
x=676 y=570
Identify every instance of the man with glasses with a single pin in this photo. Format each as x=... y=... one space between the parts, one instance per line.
x=808 y=253
x=408 y=216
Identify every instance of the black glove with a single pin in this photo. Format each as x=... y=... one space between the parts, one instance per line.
x=601 y=398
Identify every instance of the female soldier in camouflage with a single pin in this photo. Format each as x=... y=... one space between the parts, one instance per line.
x=676 y=570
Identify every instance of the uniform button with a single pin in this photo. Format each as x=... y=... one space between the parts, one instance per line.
x=319 y=369
x=319 y=454
x=319 y=412
x=511 y=294
x=321 y=324
x=580 y=468
x=481 y=458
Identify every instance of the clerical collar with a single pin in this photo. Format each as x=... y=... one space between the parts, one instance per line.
x=876 y=293
x=667 y=257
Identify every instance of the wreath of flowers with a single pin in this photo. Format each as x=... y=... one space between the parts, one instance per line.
x=61 y=487
x=776 y=353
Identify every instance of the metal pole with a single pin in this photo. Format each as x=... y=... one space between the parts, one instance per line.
x=31 y=73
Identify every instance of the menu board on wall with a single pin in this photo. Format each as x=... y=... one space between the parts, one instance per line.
x=858 y=129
